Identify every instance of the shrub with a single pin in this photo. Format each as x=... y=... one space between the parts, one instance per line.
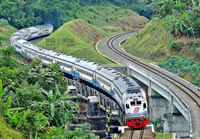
x=158 y=124
x=193 y=76
x=75 y=16
x=3 y=22
x=79 y=133
x=198 y=51
x=116 y=9
x=115 y=30
x=192 y=43
x=195 y=82
x=176 y=46
x=182 y=75
x=90 y=21
x=186 y=69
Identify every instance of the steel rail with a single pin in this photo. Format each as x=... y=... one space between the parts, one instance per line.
x=142 y=133
x=131 y=134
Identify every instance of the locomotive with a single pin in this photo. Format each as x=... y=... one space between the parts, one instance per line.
x=129 y=96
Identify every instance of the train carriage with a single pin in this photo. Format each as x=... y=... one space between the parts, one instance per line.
x=34 y=32
x=104 y=77
x=45 y=29
x=85 y=70
x=45 y=57
x=25 y=33
x=66 y=62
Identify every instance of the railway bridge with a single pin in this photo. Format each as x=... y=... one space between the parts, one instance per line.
x=171 y=97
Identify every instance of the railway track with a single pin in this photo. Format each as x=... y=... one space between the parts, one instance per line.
x=133 y=134
x=177 y=82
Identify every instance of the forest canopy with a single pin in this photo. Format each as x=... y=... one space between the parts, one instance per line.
x=26 y=13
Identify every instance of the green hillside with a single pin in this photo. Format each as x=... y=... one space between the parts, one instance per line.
x=6 y=132
x=150 y=42
x=131 y=22
x=5 y=32
x=103 y=15
x=80 y=40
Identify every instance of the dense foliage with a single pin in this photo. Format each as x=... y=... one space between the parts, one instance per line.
x=143 y=8
x=188 y=66
x=34 y=100
x=21 y=14
x=158 y=124
x=182 y=16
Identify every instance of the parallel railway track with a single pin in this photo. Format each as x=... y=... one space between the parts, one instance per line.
x=191 y=92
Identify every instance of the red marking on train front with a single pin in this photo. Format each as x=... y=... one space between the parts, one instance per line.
x=136 y=109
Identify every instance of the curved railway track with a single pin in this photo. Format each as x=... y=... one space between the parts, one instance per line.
x=178 y=83
x=181 y=86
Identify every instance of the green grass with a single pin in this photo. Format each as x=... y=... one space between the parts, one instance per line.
x=103 y=15
x=149 y=42
x=6 y=132
x=163 y=136
x=6 y=31
x=130 y=23
x=84 y=35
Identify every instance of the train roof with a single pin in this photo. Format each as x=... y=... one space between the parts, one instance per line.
x=45 y=26
x=86 y=64
x=64 y=57
x=27 y=44
x=106 y=72
x=32 y=28
x=24 y=30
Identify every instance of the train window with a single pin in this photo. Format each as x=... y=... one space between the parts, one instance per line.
x=138 y=102
x=127 y=106
x=144 y=105
x=133 y=103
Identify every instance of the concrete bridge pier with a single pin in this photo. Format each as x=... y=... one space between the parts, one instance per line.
x=174 y=121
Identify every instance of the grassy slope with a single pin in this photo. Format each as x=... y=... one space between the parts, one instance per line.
x=163 y=136
x=148 y=43
x=130 y=23
x=84 y=35
x=102 y=15
x=6 y=31
x=6 y=132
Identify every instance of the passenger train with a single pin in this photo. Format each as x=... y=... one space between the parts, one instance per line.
x=124 y=90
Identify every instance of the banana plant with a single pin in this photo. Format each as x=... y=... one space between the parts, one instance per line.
x=56 y=106
x=28 y=120
x=2 y=91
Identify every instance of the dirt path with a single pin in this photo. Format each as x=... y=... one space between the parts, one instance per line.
x=166 y=50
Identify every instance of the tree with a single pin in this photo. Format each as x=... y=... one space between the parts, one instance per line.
x=47 y=77
x=6 y=60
